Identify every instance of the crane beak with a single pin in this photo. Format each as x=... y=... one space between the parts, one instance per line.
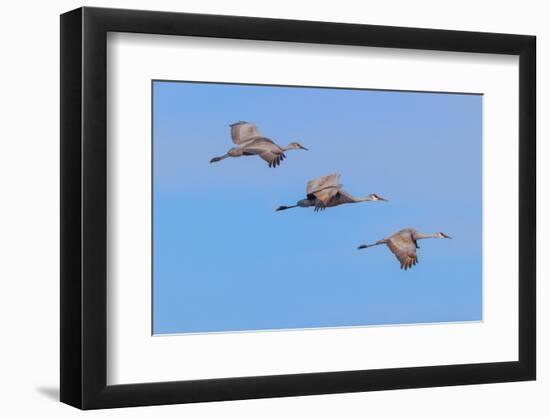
x=446 y=236
x=304 y=148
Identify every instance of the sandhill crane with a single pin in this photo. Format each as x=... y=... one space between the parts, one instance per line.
x=249 y=142
x=326 y=192
x=403 y=244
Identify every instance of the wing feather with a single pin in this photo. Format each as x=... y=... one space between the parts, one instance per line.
x=242 y=132
x=273 y=159
x=324 y=196
x=332 y=180
x=341 y=197
x=268 y=150
x=323 y=189
x=403 y=247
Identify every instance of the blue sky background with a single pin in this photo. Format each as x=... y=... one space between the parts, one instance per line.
x=224 y=260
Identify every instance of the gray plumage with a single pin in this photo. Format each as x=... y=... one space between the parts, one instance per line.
x=403 y=245
x=326 y=192
x=249 y=142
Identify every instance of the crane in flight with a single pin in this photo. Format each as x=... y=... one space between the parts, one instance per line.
x=403 y=245
x=249 y=141
x=326 y=192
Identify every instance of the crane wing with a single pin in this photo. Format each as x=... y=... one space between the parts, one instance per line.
x=324 y=196
x=323 y=189
x=272 y=159
x=266 y=149
x=261 y=144
x=242 y=132
x=404 y=249
x=342 y=197
x=317 y=184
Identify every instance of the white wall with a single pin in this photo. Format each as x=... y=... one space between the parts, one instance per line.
x=29 y=97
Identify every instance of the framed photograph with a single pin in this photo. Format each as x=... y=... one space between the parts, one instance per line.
x=260 y=208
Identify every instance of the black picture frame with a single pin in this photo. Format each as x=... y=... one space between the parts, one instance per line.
x=84 y=207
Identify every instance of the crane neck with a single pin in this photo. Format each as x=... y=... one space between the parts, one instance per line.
x=419 y=235
x=361 y=199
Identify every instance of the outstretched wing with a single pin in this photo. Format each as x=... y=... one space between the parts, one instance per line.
x=323 y=189
x=242 y=132
x=332 y=180
x=403 y=247
x=266 y=149
x=324 y=196
x=341 y=197
x=272 y=159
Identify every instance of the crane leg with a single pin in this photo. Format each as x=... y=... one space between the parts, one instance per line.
x=219 y=158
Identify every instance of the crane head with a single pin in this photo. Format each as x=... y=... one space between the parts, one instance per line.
x=296 y=145
x=444 y=236
x=376 y=197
